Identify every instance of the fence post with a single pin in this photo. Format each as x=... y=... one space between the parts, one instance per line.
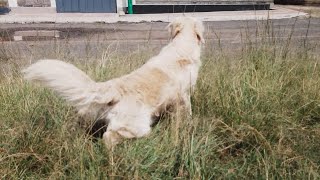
x=130 y=10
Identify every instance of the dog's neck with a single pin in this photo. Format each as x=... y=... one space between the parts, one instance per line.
x=187 y=46
x=187 y=36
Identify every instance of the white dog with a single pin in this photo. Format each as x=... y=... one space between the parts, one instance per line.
x=129 y=102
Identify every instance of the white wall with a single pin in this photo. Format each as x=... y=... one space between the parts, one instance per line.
x=124 y=3
x=53 y=3
x=12 y=3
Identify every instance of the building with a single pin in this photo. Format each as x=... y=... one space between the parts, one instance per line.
x=142 y=6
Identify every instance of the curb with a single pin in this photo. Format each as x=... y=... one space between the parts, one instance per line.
x=278 y=13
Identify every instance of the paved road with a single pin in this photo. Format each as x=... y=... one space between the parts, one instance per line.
x=81 y=40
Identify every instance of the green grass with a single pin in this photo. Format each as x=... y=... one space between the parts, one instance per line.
x=256 y=116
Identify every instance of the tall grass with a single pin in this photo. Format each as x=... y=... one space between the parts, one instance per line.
x=256 y=116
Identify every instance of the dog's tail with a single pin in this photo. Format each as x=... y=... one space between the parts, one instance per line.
x=72 y=84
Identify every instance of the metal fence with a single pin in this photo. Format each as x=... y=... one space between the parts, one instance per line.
x=87 y=6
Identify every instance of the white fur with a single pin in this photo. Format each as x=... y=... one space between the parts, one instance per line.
x=128 y=102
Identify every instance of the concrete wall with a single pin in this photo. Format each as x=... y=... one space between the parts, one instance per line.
x=298 y=2
x=32 y=3
x=204 y=2
x=312 y=2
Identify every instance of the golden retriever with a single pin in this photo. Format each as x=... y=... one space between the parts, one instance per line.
x=128 y=103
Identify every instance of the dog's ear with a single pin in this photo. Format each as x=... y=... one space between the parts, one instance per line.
x=174 y=29
x=199 y=29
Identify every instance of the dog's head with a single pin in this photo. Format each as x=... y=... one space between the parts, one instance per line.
x=181 y=24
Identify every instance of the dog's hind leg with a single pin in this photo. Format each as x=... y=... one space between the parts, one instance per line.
x=113 y=137
x=118 y=130
x=128 y=119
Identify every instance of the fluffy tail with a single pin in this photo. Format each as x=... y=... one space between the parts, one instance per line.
x=72 y=84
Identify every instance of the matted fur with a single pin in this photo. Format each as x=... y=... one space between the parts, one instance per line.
x=129 y=102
